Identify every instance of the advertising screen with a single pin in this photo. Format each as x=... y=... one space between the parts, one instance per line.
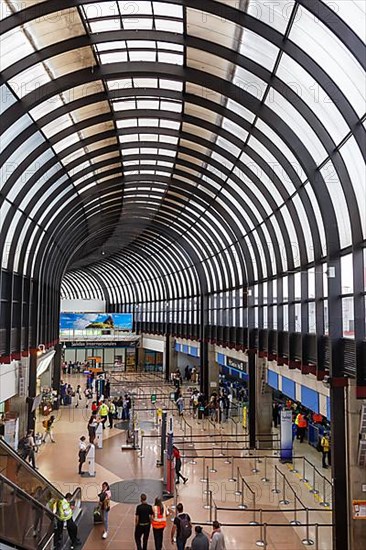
x=85 y=321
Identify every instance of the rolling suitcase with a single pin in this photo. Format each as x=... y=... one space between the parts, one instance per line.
x=97 y=516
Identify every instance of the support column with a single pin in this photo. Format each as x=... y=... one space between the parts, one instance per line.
x=213 y=370
x=252 y=398
x=263 y=405
x=171 y=356
x=356 y=473
x=32 y=388
x=204 y=369
x=56 y=376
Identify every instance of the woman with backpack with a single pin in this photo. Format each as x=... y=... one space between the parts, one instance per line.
x=105 y=505
x=159 y=522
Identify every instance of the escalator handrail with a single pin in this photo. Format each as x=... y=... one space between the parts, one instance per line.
x=25 y=495
x=34 y=472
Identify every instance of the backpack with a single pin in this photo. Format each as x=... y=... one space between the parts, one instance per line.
x=185 y=530
x=45 y=423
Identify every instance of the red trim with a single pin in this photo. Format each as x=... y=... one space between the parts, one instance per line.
x=360 y=392
x=16 y=356
x=339 y=382
x=25 y=353
x=5 y=359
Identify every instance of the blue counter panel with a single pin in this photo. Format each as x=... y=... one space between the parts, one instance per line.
x=272 y=379
x=310 y=399
x=288 y=387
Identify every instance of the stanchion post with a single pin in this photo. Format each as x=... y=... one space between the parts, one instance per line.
x=314 y=491
x=261 y=541
x=275 y=488
x=254 y=520
x=265 y=478
x=324 y=503
x=203 y=479
x=232 y=470
x=208 y=499
x=207 y=482
x=213 y=469
x=295 y=521
x=303 y=479
x=293 y=469
x=242 y=506
x=307 y=541
x=227 y=459
x=316 y=537
x=255 y=469
x=238 y=492
x=221 y=453
x=284 y=499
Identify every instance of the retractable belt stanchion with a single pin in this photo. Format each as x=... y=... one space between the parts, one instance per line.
x=207 y=483
x=307 y=541
x=324 y=502
x=203 y=478
x=262 y=535
x=242 y=506
x=227 y=459
x=295 y=521
x=284 y=499
x=275 y=488
x=255 y=469
x=213 y=469
x=304 y=479
x=238 y=476
x=232 y=478
x=265 y=478
x=313 y=490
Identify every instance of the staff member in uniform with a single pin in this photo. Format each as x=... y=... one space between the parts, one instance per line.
x=158 y=523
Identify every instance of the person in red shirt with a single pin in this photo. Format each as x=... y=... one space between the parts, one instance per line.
x=178 y=465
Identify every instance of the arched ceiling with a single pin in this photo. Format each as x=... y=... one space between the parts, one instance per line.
x=206 y=144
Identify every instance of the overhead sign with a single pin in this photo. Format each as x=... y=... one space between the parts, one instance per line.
x=92 y=321
x=90 y=344
x=286 y=436
x=236 y=364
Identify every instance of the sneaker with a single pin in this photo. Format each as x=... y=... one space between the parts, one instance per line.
x=105 y=535
x=185 y=480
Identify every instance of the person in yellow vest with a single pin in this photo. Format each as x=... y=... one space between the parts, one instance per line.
x=63 y=510
x=160 y=513
x=325 y=445
x=103 y=413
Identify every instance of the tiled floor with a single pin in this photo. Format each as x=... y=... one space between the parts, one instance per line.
x=58 y=462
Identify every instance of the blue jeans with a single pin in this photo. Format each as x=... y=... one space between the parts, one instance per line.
x=105 y=519
x=181 y=544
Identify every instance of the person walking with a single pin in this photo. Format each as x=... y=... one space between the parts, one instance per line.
x=143 y=518
x=182 y=528
x=27 y=448
x=200 y=541
x=103 y=413
x=111 y=413
x=325 y=445
x=48 y=426
x=178 y=465
x=105 y=505
x=78 y=395
x=217 y=537
x=158 y=523
x=83 y=451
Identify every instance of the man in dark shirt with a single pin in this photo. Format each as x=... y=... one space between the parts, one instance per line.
x=143 y=518
x=182 y=528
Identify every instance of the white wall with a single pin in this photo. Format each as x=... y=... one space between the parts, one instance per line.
x=8 y=380
x=152 y=343
x=83 y=306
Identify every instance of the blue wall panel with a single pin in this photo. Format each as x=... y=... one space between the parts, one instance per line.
x=328 y=408
x=288 y=387
x=221 y=359
x=310 y=399
x=272 y=379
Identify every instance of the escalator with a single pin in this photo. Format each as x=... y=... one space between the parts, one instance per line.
x=25 y=520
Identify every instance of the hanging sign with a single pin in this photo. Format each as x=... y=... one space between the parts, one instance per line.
x=286 y=436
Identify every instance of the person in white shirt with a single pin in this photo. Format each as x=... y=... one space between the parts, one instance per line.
x=217 y=537
x=83 y=451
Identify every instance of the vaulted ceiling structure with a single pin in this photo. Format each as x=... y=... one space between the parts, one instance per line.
x=161 y=149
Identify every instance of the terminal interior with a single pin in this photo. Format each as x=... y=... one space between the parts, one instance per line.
x=183 y=230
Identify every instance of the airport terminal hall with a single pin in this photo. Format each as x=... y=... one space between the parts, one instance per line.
x=183 y=274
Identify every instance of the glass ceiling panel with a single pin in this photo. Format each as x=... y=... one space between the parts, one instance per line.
x=275 y=14
x=315 y=97
x=329 y=52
